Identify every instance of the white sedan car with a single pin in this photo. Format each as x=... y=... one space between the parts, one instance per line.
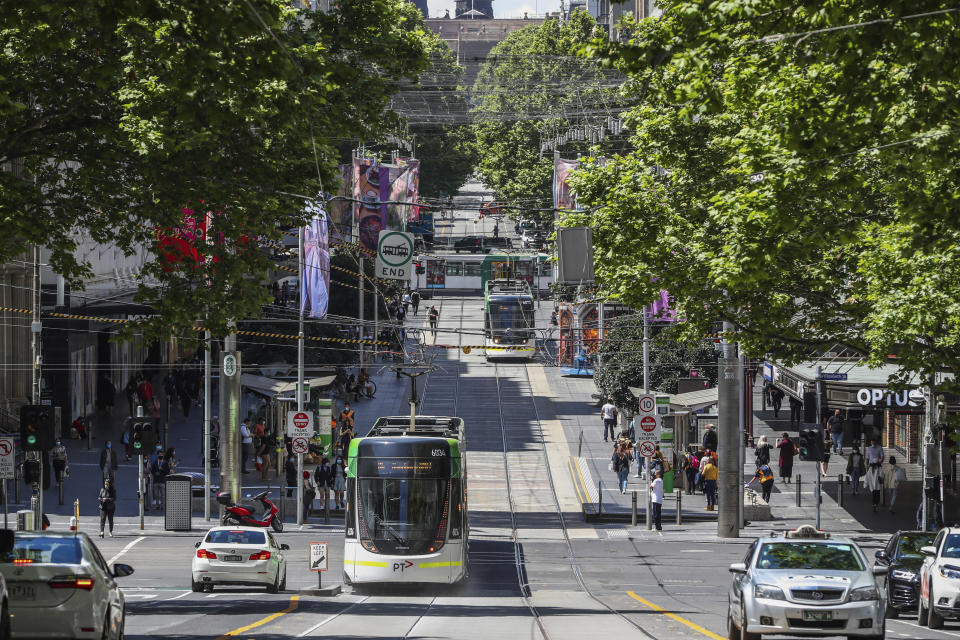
x=247 y=556
x=940 y=579
x=61 y=587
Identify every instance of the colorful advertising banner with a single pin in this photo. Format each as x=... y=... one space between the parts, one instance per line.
x=315 y=289
x=562 y=197
x=371 y=186
x=404 y=187
x=341 y=208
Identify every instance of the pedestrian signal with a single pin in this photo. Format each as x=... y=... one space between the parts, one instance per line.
x=143 y=435
x=810 y=444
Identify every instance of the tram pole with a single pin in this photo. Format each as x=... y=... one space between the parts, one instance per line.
x=300 y=509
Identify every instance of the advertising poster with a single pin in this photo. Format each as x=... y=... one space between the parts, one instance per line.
x=340 y=226
x=563 y=199
x=371 y=186
x=436 y=275
x=405 y=188
x=315 y=292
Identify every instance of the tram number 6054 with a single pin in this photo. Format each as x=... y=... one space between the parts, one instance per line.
x=438 y=453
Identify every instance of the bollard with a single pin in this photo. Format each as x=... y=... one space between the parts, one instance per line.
x=60 y=490
x=580 y=445
x=599 y=497
x=633 y=509
x=840 y=490
x=798 y=489
x=89 y=429
x=679 y=506
x=326 y=505
x=76 y=514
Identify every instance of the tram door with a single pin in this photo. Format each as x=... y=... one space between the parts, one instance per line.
x=502 y=270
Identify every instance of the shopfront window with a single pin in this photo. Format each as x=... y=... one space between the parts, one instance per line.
x=901 y=432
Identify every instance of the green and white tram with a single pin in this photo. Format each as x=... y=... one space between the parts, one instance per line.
x=508 y=320
x=406 y=517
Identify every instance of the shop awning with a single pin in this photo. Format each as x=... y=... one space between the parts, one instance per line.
x=690 y=401
x=273 y=388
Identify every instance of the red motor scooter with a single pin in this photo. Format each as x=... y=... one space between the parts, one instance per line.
x=237 y=514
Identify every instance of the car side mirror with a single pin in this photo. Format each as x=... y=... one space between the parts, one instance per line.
x=122 y=570
x=928 y=551
x=881 y=556
x=197 y=546
x=738 y=567
x=285 y=547
x=880 y=569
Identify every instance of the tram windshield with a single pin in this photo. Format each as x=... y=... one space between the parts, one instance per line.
x=402 y=516
x=511 y=313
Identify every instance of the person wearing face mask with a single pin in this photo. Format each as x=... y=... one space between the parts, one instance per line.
x=108 y=460
x=156 y=462
x=290 y=471
x=108 y=505
x=59 y=457
x=339 y=481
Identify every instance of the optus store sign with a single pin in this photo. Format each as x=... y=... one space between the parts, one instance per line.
x=887 y=398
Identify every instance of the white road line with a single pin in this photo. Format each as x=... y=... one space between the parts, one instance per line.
x=329 y=618
x=185 y=593
x=914 y=624
x=125 y=549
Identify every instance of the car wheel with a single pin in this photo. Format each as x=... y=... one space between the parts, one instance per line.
x=892 y=612
x=209 y=588
x=275 y=587
x=277 y=524
x=105 y=633
x=283 y=583
x=921 y=612
x=934 y=619
x=743 y=626
x=732 y=632
x=195 y=586
x=123 y=623
x=5 y=621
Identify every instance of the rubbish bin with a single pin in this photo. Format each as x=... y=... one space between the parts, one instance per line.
x=177 y=509
x=668 y=482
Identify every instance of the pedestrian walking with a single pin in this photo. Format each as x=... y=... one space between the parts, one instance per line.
x=106 y=393
x=402 y=313
x=710 y=475
x=290 y=474
x=309 y=494
x=874 y=454
x=873 y=481
x=765 y=475
x=796 y=412
x=893 y=476
x=59 y=457
x=323 y=479
x=147 y=398
x=266 y=446
x=160 y=470
x=656 y=499
x=339 y=472
x=827 y=444
x=108 y=504
x=710 y=438
x=183 y=392
x=170 y=385
x=608 y=413
x=776 y=399
x=620 y=463
x=788 y=449
x=406 y=301
x=131 y=392
x=246 y=444
x=433 y=316
x=761 y=452
x=415 y=301
x=855 y=469
x=108 y=460
x=691 y=466
x=835 y=425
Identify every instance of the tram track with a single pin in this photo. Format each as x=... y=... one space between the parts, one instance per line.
x=571 y=553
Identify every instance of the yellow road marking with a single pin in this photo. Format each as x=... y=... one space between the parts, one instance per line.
x=692 y=625
x=263 y=621
x=366 y=563
x=586 y=494
x=433 y=565
x=576 y=485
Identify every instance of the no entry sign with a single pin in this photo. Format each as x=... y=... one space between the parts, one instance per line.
x=648 y=424
x=647 y=420
x=300 y=424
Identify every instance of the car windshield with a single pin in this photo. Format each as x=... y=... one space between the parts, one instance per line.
x=45 y=550
x=809 y=555
x=402 y=515
x=237 y=536
x=951 y=546
x=910 y=543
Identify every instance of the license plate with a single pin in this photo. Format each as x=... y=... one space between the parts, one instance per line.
x=233 y=558
x=818 y=616
x=22 y=591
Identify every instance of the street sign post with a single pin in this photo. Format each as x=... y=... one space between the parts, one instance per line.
x=833 y=376
x=318 y=560
x=647 y=424
x=7 y=464
x=300 y=445
x=394 y=255
x=300 y=424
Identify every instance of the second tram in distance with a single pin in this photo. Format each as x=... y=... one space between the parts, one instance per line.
x=508 y=320
x=406 y=516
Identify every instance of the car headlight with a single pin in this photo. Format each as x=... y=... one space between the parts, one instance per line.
x=950 y=572
x=768 y=592
x=864 y=593
x=900 y=574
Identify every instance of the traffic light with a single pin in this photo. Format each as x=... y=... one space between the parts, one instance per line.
x=419 y=267
x=143 y=436
x=31 y=471
x=36 y=428
x=811 y=444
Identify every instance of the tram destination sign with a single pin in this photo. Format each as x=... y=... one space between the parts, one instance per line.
x=394 y=255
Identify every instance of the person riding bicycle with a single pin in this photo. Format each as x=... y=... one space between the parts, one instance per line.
x=364 y=386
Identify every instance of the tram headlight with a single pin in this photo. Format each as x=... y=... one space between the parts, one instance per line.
x=368 y=545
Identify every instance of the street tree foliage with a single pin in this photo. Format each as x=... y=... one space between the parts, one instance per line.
x=672 y=356
x=530 y=89
x=794 y=173
x=115 y=116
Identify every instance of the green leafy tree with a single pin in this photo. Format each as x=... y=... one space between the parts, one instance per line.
x=115 y=116
x=792 y=173
x=672 y=356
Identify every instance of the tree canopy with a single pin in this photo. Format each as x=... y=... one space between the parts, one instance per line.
x=794 y=173
x=115 y=116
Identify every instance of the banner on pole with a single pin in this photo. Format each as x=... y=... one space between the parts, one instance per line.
x=315 y=288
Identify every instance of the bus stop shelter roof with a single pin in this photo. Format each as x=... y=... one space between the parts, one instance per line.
x=274 y=388
x=691 y=401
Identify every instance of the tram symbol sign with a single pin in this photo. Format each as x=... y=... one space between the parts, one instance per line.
x=300 y=445
x=6 y=458
x=300 y=424
x=394 y=255
x=647 y=449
